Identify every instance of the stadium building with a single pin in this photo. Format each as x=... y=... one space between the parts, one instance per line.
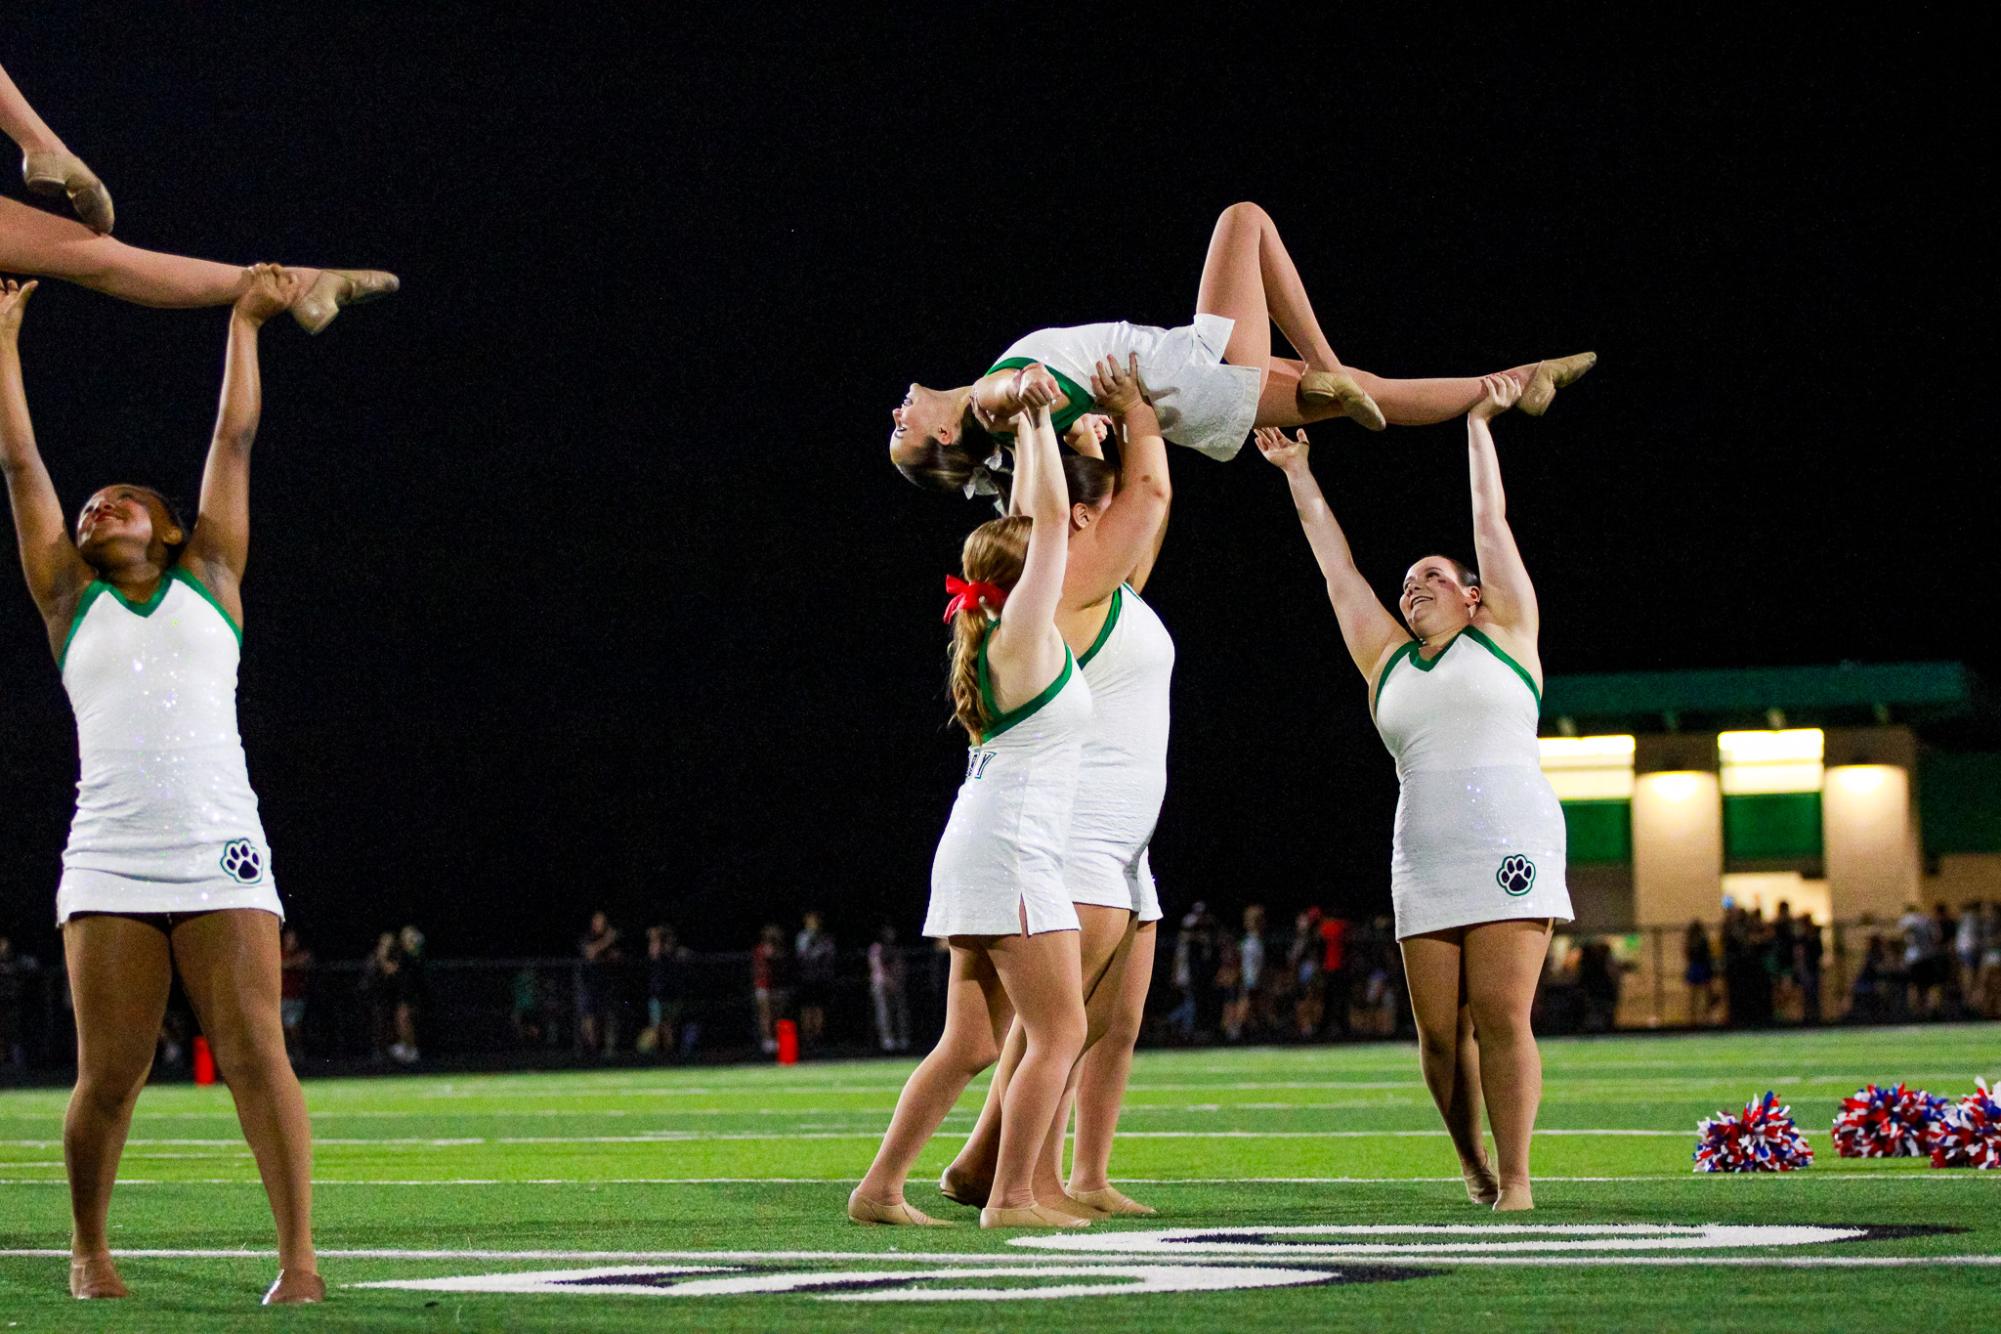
x=1849 y=791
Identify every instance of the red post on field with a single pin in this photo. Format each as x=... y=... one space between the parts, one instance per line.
x=788 y=1042
x=204 y=1062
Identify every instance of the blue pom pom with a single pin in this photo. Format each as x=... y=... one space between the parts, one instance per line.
x=1763 y=1138
x=1882 y=1122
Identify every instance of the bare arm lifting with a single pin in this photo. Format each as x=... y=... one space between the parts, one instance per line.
x=1026 y=651
x=1122 y=544
x=219 y=549
x=1505 y=590
x=1367 y=627
x=57 y=574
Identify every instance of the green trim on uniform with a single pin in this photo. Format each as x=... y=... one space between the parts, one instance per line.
x=1424 y=664
x=198 y=586
x=1105 y=630
x=1080 y=400
x=1003 y=721
x=1480 y=637
x=151 y=604
x=91 y=594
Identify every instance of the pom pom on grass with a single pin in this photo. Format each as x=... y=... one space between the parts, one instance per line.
x=1968 y=1133
x=1763 y=1138
x=1882 y=1122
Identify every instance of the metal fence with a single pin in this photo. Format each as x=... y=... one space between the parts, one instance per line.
x=534 y=1012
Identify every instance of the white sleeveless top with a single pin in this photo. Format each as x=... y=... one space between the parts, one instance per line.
x=1124 y=774
x=1479 y=831
x=1004 y=847
x=1202 y=403
x=165 y=818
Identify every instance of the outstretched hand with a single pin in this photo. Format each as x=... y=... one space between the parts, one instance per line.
x=13 y=301
x=1281 y=452
x=1087 y=434
x=1502 y=391
x=1118 y=389
x=273 y=288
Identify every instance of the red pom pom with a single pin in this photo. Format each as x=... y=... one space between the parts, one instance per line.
x=1764 y=1138
x=1969 y=1133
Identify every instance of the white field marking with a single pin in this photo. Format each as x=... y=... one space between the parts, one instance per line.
x=1707 y=1180
x=1138 y=1278
x=1028 y=1262
x=873 y=1132
x=1323 y=1241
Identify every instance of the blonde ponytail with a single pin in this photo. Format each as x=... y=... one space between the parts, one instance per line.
x=994 y=553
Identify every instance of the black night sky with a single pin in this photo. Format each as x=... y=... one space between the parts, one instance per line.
x=579 y=576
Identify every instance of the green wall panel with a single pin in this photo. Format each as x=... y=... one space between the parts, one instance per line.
x=1772 y=825
x=1600 y=832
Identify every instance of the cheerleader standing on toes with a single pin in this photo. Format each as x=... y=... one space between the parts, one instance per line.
x=1477 y=870
x=1212 y=380
x=167 y=865
x=997 y=892
x=32 y=241
x=1117 y=522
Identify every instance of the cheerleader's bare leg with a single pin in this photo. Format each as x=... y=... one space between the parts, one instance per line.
x=1106 y=935
x=1102 y=1075
x=1044 y=978
x=119 y=974
x=1250 y=278
x=976 y=1015
x=230 y=966
x=32 y=241
x=1434 y=966
x=1504 y=961
x=1106 y=947
x=1403 y=402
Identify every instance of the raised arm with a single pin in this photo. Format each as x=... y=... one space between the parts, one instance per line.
x=56 y=574
x=1125 y=539
x=1367 y=627
x=1505 y=589
x=220 y=547
x=1026 y=651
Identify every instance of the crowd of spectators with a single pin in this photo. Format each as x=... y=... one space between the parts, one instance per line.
x=1321 y=978
x=1328 y=978
x=1930 y=966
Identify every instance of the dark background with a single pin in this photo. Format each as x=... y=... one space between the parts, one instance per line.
x=579 y=575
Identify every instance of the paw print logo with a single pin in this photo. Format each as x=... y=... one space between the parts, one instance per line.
x=1516 y=876
x=242 y=861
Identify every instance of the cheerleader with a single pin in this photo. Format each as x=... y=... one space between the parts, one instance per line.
x=1211 y=380
x=167 y=865
x=997 y=887
x=1477 y=866
x=1117 y=522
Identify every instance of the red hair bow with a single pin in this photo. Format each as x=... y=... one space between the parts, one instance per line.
x=970 y=597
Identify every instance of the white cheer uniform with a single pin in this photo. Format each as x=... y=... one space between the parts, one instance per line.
x=1003 y=849
x=1479 y=830
x=1124 y=774
x=1202 y=403
x=165 y=818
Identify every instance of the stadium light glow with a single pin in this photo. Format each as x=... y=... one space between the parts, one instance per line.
x=1771 y=762
x=1589 y=768
x=1675 y=785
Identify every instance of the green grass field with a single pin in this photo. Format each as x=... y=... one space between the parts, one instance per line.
x=739 y=1175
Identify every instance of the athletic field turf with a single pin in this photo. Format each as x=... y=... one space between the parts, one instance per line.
x=712 y=1198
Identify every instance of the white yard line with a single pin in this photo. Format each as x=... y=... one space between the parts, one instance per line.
x=1813 y=1174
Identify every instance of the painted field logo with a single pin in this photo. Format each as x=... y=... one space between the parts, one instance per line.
x=945 y=1278
x=1517 y=875
x=242 y=862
